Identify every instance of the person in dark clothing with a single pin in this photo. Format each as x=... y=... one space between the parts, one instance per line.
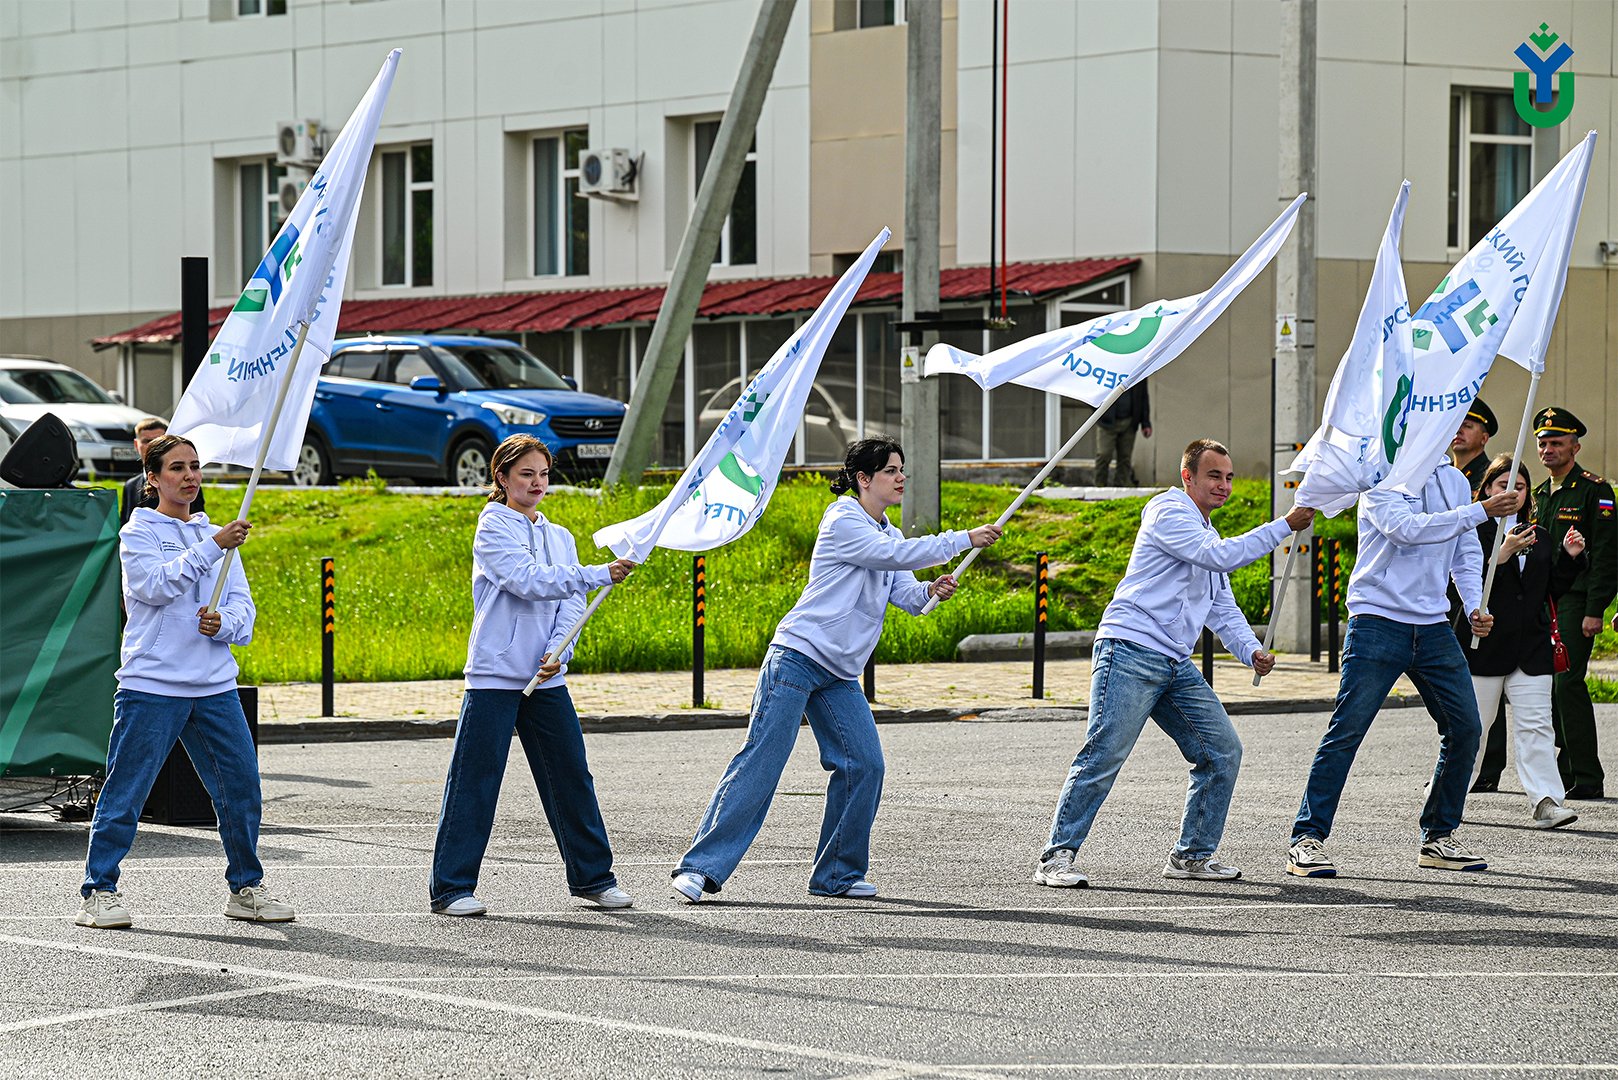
x=1534 y=567
x=1468 y=449
x=147 y=432
x=1115 y=436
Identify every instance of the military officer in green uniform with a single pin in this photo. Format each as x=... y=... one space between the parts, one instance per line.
x=1467 y=449
x=1583 y=500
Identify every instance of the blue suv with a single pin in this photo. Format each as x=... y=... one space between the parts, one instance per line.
x=435 y=406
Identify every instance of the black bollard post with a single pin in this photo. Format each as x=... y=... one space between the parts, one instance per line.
x=870 y=678
x=699 y=617
x=1041 y=605
x=328 y=632
x=1334 y=600
x=1316 y=585
x=1207 y=655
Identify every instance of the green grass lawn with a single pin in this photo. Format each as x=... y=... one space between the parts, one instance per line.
x=404 y=604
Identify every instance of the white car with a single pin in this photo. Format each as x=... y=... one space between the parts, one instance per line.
x=102 y=425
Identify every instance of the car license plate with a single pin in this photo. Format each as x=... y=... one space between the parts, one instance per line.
x=594 y=450
x=124 y=453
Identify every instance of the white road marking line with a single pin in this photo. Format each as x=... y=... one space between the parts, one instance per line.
x=837 y=908
x=991 y=976
x=813 y=1053
x=140 y=1007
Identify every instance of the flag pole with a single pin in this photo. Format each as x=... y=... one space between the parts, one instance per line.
x=572 y=635
x=1039 y=478
x=1280 y=595
x=1511 y=485
x=258 y=466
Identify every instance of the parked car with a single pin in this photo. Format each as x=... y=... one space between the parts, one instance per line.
x=434 y=407
x=102 y=425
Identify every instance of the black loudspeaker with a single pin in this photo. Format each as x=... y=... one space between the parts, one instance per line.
x=44 y=456
x=178 y=797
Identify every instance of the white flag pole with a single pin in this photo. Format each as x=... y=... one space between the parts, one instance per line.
x=1280 y=595
x=258 y=466
x=1039 y=478
x=1511 y=485
x=572 y=635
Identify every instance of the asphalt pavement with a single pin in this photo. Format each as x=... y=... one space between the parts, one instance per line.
x=961 y=967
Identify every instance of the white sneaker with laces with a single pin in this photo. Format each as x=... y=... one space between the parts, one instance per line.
x=1549 y=815
x=465 y=905
x=1308 y=858
x=1209 y=869
x=1448 y=853
x=690 y=885
x=104 y=909
x=612 y=897
x=255 y=904
x=1058 y=871
x=859 y=890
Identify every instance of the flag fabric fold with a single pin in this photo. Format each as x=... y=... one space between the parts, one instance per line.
x=226 y=409
x=728 y=484
x=1345 y=456
x=1091 y=360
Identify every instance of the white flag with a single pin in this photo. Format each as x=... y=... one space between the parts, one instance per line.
x=1456 y=334
x=226 y=408
x=729 y=483
x=1091 y=360
x=1530 y=331
x=1348 y=455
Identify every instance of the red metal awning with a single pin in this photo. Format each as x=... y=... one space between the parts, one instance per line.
x=539 y=312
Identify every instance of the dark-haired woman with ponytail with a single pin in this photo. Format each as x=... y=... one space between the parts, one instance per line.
x=177 y=682
x=860 y=565
x=527 y=592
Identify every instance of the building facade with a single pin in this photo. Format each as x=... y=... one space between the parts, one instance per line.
x=1141 y=146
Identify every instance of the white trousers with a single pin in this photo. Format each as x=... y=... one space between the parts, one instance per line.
x=1533 y=739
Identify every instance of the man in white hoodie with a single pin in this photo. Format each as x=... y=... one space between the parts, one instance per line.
x=1398 y=624
x=1176 y=584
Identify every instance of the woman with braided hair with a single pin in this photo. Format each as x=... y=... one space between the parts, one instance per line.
x=861 y=564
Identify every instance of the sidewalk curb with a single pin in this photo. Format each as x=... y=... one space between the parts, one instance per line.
x=356 y=730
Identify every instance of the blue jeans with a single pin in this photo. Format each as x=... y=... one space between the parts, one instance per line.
x=214 y=732
x=1376 y=652
x=791 y=685
x=548 y=727
x=1128 y=683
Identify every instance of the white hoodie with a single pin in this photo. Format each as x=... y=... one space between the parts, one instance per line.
x=170 y=568
x=527 y=592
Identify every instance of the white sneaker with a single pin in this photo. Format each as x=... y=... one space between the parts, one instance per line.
x=690 y=885
x=1209 y=869
x=859 y=890
x=466 y=905
x=104 y=909
x=1058 y=871
x=255 y=904
x=1549 y=815
x=610 y=897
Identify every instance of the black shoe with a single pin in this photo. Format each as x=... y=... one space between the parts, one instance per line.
x=1485 y=784
x=1586 y=791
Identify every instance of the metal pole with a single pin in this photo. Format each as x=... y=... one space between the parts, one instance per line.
x=1294 y=392
x=193 y=315
x=665 y=352
x=1207 y=656
x=1280 y=596
x=1041 y=606
x=699 y=613
x=1334 y=600
x=918 y=424
x=328 y=633
x=870 y=678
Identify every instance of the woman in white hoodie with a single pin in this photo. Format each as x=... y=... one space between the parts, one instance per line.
x=527 y=591
x=177 y=681
x=860 y=565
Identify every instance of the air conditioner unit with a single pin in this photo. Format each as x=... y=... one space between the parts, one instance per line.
x=609 y=174
x=297 y=142
x=292 y=184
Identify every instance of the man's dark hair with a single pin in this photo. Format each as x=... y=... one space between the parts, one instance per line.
x=1192 y=458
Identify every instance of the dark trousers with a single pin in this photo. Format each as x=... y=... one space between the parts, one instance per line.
x=1571 y=711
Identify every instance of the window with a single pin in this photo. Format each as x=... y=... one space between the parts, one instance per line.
x=738 y=242
x=259 y=199
x=407 y=215
x=356 y=364
x=1490 y=165
x=248 y=8
x=561 y=217
x=860 y=14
